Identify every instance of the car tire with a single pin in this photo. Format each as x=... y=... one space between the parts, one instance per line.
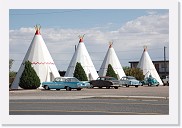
x=108 y=87
x=46 y=87
x=68 y=88
x=136 y=86
x=57 y=89
x=79 y=89
x=115 y=87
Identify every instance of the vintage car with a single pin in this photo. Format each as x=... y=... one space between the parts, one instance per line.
x=129 y=81
x=67 y=83
x=150 y=81
x=108 y=82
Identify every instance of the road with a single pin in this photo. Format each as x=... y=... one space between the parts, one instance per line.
x=122 y=101
x=89 y=107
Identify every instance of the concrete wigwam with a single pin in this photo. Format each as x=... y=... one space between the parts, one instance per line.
x=41 y=60
x=82 y=56
x=147 y=66
x=111 y=58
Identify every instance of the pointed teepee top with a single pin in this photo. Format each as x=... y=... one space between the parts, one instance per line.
x=37 y=29
x=110 y=44
x=145 y=48
x=81 y=38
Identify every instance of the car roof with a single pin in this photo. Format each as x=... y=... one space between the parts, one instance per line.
x=67 y=77
x=128 y=76
x=105 y=77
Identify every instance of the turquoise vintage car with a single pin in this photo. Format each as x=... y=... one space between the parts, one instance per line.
x=67 y=83
x=129 y=81
x=150 y=81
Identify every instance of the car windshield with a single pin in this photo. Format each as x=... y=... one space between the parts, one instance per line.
x=111 y=78
x=131 y=77
x=72 y=80
x=58 y=79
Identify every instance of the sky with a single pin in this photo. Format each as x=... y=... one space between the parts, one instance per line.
x=129 y=30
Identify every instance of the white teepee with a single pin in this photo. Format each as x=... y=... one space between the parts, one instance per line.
x=81 y=55
x=41 y=60
x=111 y=58
x=148 y=67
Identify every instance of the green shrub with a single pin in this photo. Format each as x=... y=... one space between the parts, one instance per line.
x=136 y=72
x=79 y=73
x=111 y=72
x=29 y=78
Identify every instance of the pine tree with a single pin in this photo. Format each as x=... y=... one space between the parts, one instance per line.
x=111 y=72
x=29 y=78
x=79 y=72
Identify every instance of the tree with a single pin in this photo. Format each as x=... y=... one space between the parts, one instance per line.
x=29 y=78
x=136 y=72
x=11 y=73
x=79 y=72
x=111 y=72
x=10 y=63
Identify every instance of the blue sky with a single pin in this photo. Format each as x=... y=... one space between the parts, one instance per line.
x=129 y=29
x=75 y=18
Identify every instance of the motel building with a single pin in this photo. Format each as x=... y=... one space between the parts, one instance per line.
x=162 y=67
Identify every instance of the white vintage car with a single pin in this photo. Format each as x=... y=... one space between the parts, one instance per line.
x=129 y=81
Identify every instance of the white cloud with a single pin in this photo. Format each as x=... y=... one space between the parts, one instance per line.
x=129 y=39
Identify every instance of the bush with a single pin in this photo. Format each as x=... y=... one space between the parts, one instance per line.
x=111 y=72
x=136 y=72
x=79 y=72
x=29 y=78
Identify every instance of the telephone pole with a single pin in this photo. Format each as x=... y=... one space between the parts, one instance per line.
x=164 y=60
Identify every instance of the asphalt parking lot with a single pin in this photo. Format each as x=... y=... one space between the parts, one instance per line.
x=123 y=101
x=122 y=92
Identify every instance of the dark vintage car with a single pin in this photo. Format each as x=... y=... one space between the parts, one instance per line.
x=108 y=82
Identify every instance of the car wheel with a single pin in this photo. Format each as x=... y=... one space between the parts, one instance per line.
x=57 y=89
x=68 y=88
x=107 y=87
x=100 y=87
x=136 y=86
x=46 y=87
x=78 y=89
x=115 y=87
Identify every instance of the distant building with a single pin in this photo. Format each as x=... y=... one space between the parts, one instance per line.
x=159 y=65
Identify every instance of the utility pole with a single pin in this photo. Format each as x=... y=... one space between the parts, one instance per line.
x=164 y=60
x=75 y=47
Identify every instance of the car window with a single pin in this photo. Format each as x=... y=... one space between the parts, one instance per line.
x=57 y=79
x=98 y=78
x=130 y=78
x=74 y=80
x=68 y=80
x=103 y=78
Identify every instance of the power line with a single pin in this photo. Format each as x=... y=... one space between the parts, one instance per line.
x=44 y=13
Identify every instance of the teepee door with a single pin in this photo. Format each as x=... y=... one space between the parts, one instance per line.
x=51 y=76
